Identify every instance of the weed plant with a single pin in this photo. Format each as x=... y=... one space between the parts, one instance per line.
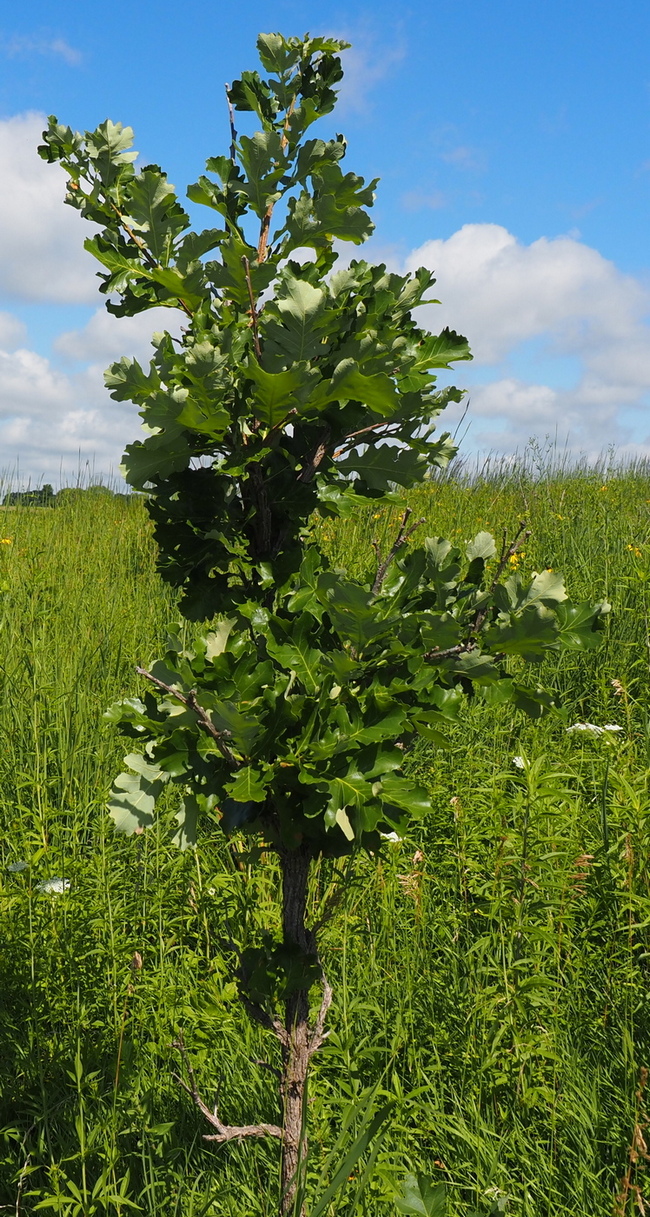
x=492 y=974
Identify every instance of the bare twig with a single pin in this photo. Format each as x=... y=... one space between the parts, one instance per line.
x=191 y=702
x=460 y=649
x=266 y=218
x=308 y=471
x=319 y=1035
x=233 y=133
x=252 y=310
x=260 y=1016
x=362 y=431
x=400 y=540
x=264 y=233
x=225 y=1132
x=470 y=644
x=508 y=551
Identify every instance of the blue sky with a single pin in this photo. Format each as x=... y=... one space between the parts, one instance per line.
x=513 y=146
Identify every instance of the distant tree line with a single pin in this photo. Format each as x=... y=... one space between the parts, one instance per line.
x=45 y=495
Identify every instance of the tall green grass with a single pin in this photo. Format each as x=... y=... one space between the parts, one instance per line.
x=491 y=973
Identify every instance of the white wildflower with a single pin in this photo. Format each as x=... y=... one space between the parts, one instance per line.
x=519 y=762
x=391 y=836
x=15 y=868
x=592 y=729
x=53 y=887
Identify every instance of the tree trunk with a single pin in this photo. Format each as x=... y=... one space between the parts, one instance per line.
x=296 y=1052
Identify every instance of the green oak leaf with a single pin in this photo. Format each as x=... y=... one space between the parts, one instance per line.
x=422 y=1198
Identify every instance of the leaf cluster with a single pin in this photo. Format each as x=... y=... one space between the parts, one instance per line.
x=294 y=387
x=312 y=703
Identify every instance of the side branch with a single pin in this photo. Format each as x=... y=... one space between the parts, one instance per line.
x=307 y=472
x=319 y=1035
x=224 y=1132
x=233 y=133
x=470 y=643
x=190 y=700
x=252 y=310
x=400 y=540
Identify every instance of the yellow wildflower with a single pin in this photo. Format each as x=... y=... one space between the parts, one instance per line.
x=604 y=488
x=635 y=550
x=5 y=540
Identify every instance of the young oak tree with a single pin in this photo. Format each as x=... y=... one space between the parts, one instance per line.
x=295 y=388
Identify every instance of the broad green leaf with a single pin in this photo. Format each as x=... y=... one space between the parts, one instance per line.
x=405 y=794
x=422 y=1198
x=132 y=801
x=274 y=392
x=352 y=790
x=579 y=625
x=217 y=640
x=155 y=212
x=483 y=546
x=530 y=633
x=243 y=728
x=376 y=391
x=247 y=787
x=384 y=466
x=548 y=585
x=157 y=457
x=213 y=423
x=275 y=53
x=187 y=819
x=298 y=655
x=128 y=382
x=290 y=323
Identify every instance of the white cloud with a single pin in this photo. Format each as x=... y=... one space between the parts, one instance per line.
x=43 y=259
x=24 y=45
x=13 y=332
x=465 y=157
x=366 y=63
x=107 y=337
x=574 y=303
x=50 y=422
x=53 y=420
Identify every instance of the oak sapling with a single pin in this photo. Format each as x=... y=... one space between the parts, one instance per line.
x=296 y=387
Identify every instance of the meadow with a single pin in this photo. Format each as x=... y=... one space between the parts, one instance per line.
x=491 y=972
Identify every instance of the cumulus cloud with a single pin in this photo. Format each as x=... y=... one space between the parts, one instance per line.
x=570 y=300
x=43 y=259
x=54 y=420
x=13 y=332
x=50 y=422
x=106 y=337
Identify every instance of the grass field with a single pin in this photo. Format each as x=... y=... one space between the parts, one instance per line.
x=492 y=972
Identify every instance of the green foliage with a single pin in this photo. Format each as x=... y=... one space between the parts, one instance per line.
x=526 y=1090
x=421 y=1198
x=310 y=706
x=295 y=387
